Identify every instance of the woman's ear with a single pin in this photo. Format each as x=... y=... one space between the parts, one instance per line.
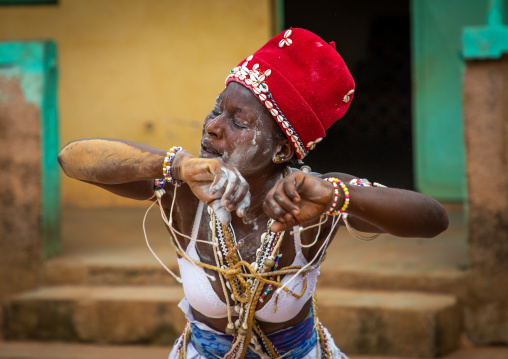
x=284 y=151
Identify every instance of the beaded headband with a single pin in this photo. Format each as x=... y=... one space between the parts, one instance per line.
x=255 y=81
x=302 y=81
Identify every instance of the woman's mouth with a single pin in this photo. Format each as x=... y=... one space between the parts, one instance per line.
x=208 y=151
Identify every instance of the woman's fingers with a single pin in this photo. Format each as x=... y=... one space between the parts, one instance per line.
x=219 y=181
x=283 y=199
x=278 y=226
x=235 y=189
x=232 y=188
x=244 y=205
x=285 y=203
x=296 y=199
x=279 y=207
x=291 y=186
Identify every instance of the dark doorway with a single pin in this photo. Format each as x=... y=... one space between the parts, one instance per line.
x=374 y=139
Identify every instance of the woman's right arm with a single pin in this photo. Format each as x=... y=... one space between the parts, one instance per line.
x=128 y=169
x=109 y=161
x=122 y=167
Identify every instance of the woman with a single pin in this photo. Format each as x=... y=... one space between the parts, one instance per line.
x=249 y=258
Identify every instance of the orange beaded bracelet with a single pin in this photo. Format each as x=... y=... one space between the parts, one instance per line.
x=335 y=181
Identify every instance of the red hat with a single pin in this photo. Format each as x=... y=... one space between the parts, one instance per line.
x=302 y=81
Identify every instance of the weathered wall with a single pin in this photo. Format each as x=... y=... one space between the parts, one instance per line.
x=486 y=138
x=145 y=71
x=20 y=195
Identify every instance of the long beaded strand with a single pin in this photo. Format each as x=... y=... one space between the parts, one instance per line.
x=234 y=271
x=264 y=261
x=230 y=328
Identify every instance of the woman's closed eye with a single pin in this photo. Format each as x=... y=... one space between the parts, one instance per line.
x=239 y=123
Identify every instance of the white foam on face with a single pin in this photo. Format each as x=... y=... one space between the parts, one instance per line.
x=238 y=158
x=271 y=139
x=256 y=134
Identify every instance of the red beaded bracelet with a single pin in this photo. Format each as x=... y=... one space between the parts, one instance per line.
x=335 y=181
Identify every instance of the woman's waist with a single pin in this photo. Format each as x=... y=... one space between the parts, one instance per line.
x=299 y=338
x=220 y=324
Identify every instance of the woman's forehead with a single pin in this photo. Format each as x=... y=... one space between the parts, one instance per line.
x=241 y=97
x=242 y=100
x=241 y=93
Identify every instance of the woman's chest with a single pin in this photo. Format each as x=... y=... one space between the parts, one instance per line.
x=251 y=244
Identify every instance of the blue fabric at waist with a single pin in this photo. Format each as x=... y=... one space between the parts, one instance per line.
x=300 y=338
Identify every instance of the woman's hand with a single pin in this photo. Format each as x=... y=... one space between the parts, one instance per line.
x=296 y=199
x=217 y=184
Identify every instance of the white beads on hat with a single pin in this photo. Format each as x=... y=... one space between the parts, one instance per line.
x=286 y=41
x=312 y=144
x=347 y=97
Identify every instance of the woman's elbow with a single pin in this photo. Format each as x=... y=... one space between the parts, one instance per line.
x=445 y=221
x=64 y=158
x=439 y=222
x=61 y=159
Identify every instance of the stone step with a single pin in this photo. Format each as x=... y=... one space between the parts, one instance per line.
x=97 y=314
x=107 y=247
x=61 y=271
x=362 y=322
x=42 y=350
x=64 y=271
x=55 y=350
x=451 y=282
x=409 y=324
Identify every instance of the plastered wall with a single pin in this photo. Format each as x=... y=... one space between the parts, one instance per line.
x=146 y=71
x=20 y=235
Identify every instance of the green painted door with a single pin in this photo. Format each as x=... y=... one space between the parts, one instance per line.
x=437 y=93
x=30 y=68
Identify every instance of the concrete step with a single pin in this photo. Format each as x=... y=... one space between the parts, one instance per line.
x=452 y=282
x=55 y=350
x=361 y=322
x=64 y=271
x=39 y=350
x=91 y=271
x=107 y=247
x=409 y=324
x=97 y=314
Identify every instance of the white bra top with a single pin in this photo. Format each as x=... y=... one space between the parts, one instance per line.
x=201 y=296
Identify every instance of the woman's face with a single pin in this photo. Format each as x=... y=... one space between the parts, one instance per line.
x=240 y=131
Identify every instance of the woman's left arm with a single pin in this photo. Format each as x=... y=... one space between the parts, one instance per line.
x=399 y=212
x=300 y=198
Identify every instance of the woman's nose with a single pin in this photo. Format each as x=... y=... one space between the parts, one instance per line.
x=215 y=126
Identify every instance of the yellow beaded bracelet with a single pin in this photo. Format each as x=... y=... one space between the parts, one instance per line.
x=332 y=210
x=166 y=168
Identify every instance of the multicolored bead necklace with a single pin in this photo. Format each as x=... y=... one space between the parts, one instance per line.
x=270 y=286
x=244 y=293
